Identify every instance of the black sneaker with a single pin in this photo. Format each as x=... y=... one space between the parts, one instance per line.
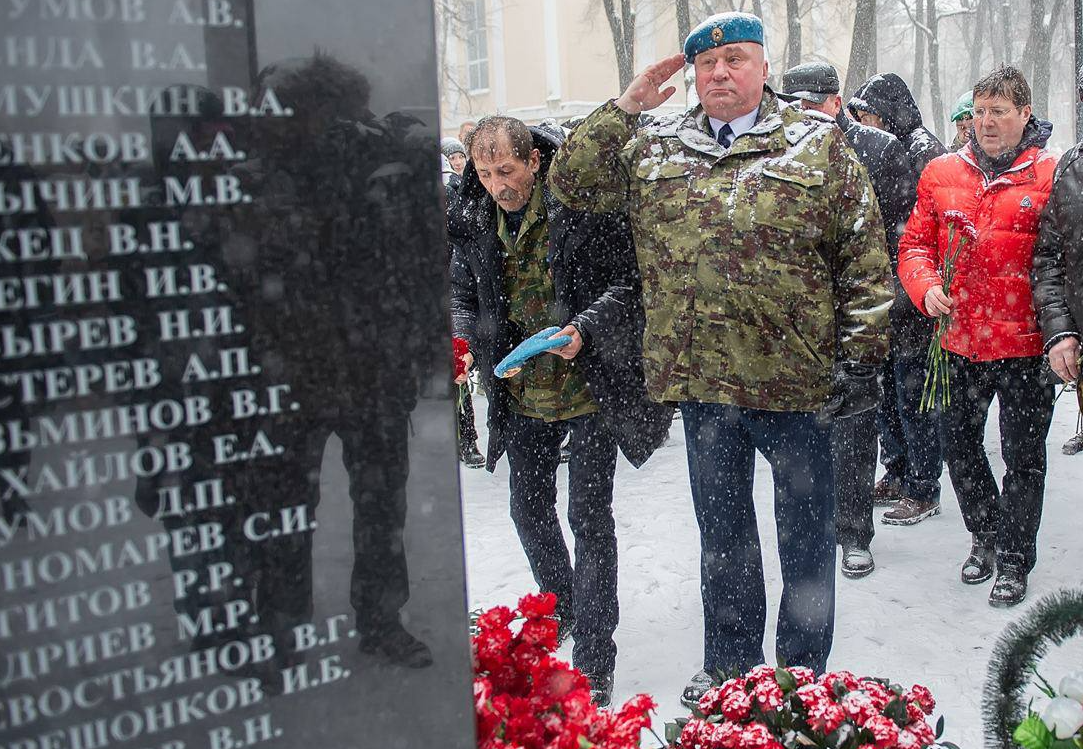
x=857 y=561
x=887 y=492
x=1009 y=589
x=696 y=688
x=398 y=646
x=601 y=688
x=979 y=566
x=470 y=456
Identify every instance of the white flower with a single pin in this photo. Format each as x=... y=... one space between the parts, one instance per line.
x=1072 y=686
x=1063 y=716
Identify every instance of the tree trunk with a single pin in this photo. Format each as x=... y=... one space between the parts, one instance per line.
x=1042 y=59
x=920 y=43
x=622 y=26
x=793 y=33
x=1034 y=31
x=995 y=39
x=934 y=69
x=862 y=46
x=684 y=22
x=978 y=46
x=1006 y=27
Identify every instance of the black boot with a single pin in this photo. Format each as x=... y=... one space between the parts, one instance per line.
x=601 y=688
x=979 y=566
x=397 y=645
x=1009 y=589
x=469 y=455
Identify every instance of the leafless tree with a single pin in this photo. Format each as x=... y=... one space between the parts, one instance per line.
x=862 y=46
x=622 y=26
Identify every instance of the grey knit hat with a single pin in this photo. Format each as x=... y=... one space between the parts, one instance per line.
x=449 y=146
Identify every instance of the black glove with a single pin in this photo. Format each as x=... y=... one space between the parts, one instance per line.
x=854 y=389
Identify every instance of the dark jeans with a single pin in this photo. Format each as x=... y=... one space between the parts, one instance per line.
x=587 y=592
x=909 y=439
x=722 y=441
x=853 y=458
x=1013 y=513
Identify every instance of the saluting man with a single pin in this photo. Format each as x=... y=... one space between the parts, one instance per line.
x=766 y=289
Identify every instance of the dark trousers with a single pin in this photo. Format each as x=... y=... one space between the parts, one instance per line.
x=587 y=591
x=1012 y=513
x=853 y=458
x=468 y=433
x=909 y=439
x=722 y=441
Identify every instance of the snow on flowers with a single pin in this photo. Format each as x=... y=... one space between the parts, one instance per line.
x=526 y=699
x=784 y=708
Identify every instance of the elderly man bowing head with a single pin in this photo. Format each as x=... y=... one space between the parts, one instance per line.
x=766 y=294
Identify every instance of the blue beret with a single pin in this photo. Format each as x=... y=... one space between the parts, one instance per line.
x=723 y=28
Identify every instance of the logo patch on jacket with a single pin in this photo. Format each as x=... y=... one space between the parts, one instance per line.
x=1026 y=203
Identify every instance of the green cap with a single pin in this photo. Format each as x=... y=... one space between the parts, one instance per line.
x=964 y=107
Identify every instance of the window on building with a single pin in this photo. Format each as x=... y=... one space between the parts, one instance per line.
x=477 y=45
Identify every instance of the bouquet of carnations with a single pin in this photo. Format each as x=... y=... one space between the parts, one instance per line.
x=526 y=699
x=786 y=708
x=1060 y=724
x=937 y=389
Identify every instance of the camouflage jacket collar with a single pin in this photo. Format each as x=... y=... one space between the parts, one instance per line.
x=776 y=129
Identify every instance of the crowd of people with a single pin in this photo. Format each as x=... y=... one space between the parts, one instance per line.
x=771 y=267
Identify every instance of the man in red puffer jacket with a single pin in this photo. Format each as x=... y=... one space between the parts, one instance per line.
x=1000 y=182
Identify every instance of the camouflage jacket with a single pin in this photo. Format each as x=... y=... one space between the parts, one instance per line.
x=762 y=265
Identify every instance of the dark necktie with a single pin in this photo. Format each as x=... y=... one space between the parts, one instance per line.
x=725 y=135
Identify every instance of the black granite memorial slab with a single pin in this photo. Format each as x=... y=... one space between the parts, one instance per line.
x=227 y=452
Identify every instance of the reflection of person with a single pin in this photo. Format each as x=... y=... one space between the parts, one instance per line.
x=339 y=311
x=909 y=436
x=853 y=441
x=521 y=262
x=1057 y=276
x=962 y=116
x=1000 y=181
x=766 y=293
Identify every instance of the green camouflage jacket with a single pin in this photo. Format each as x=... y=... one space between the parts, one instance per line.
x=762 y=265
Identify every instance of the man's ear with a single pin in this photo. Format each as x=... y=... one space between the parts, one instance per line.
x=535 y=160
x=1027 y=110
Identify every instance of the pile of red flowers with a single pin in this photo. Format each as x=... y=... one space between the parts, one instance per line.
x=526 y=699
x=781 y=708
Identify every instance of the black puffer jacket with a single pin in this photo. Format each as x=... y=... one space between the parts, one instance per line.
x=592 y=260
x=888 y=97
x=1057 y=274
x=895 y=184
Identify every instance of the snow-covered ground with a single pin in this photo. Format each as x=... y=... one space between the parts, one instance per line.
x=911 y=620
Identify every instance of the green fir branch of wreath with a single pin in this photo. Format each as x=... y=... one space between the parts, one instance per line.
x=1053 y=620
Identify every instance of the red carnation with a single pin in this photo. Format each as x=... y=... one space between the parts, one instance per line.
x=802 y=675
x=496 y=618
x=768 y=694
x=825 y=716
x=737 y=704
x=711 y=700
x=923 y=697
x=756 y=736
x=762 y=672
x=810 y=694
x=923 y=731
x=859 y=706
x=692 y=732
x=884 y=729
x=538 y=605
x=460 y=348
x=878 y=693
